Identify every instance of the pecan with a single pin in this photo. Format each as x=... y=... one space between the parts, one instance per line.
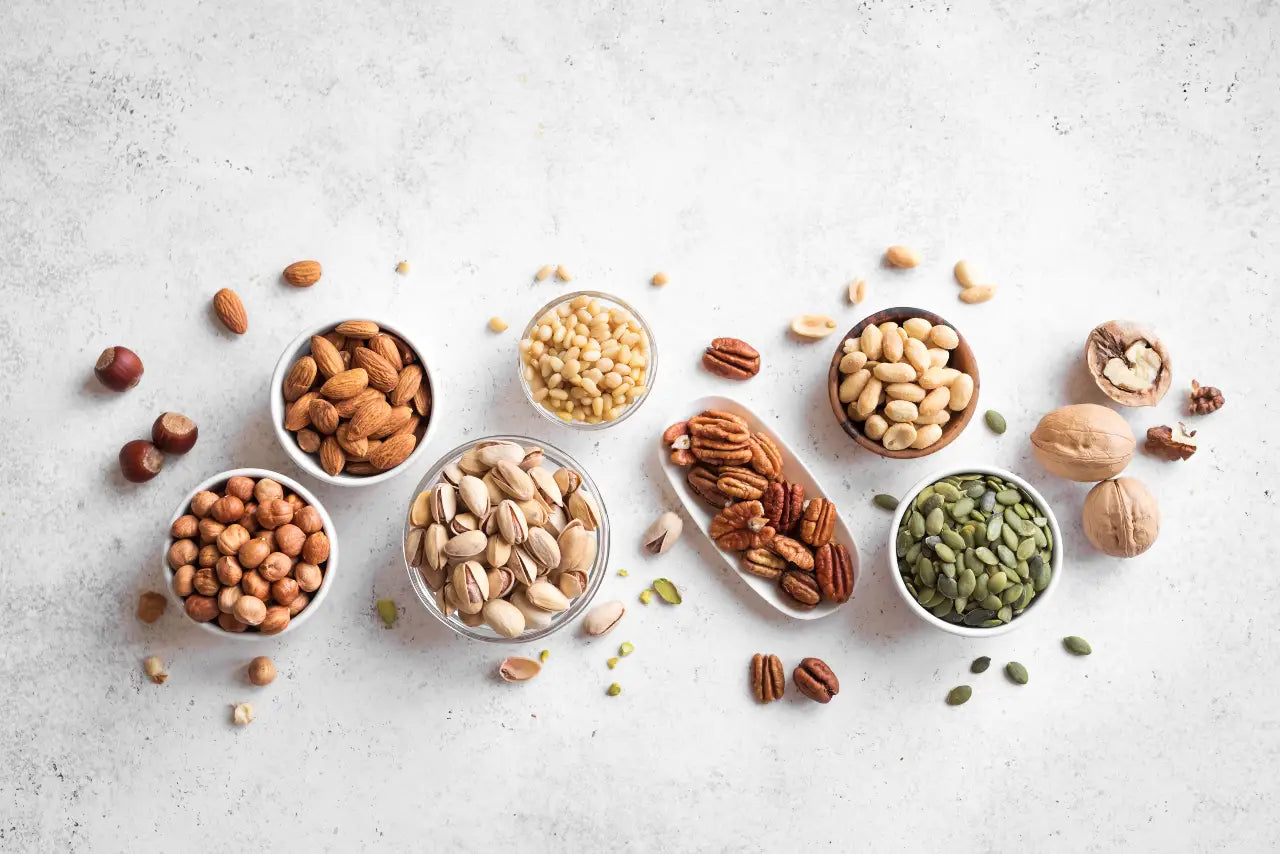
x=1204 y=399
x=835 y=572
x=720 y=426
x=735 y=518
x=714 y=455
x=768 y=682
x=1171 y=443
x=702 y=480
x=766 y=456
x=675 y=431
x=818 y=522
x=784 y=505
x=802 y=588
x=741 y=483
x=732 y=359
x=683 y=457
x=793 y=552
x=763 y=563
x=816 y=680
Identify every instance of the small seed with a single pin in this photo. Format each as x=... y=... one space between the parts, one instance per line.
x=626 y=649
x=646 y=596
x=562 y=274
x=614 y=690
x=886 y=502
x=964 y=274
x=387 y=611
x=995 y=421
x=959 y=695
x=622 y=573
x=613 y=662
x=497 y=324
x=544 y=655
x=857 y=291
x=1016 y=672
x=403 y=268
x=980 y=664
x=660 y=279
x=667 y=591
x=1077 y=645
x=544 y=273
x=977 y=294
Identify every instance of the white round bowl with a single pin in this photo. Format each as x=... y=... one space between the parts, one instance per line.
x=1037 y=605
x=310 y=463
x=317 y=598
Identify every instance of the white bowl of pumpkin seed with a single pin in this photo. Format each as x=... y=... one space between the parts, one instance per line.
x=975 y=550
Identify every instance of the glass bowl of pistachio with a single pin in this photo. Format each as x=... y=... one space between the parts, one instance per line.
x=506 y=539
x=587 y=359
x=975 y=550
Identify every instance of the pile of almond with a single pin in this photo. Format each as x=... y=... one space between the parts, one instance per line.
x=360 y=399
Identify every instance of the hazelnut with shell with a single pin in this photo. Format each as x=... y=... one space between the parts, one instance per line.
x=1121 y=517
x=1083 y=442
x=1128 y=363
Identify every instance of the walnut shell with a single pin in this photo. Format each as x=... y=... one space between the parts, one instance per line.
x=1111 y=341
x=1083 y=442
x=1121 y=517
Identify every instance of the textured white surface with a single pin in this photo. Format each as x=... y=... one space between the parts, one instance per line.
x=1099 y=160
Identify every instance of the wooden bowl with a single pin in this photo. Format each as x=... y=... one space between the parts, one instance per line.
x=961 y=358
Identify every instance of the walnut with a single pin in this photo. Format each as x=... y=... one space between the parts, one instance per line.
x=1204 y=399
x=1171 y=443
x=1121 y=517
x=1128 y=363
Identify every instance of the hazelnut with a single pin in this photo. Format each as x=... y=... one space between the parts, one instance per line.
x=232 y=538
x=299 y=602
x=206 y=582
x=228 y=509
x=249 y=610
x=276 y=620
x=261 y=671
x=182 y=552
x=284 y=590
x=308 y=519
x=274 y=513
x=241 y=487
x=184 y=527
x=295 y=502
x=208 y=556
x=210 y=528
x=150 y=606
x=227 y=598
x=242 y=714
x=118 y=368
x=1084 y=442
x=308 y=576
x=140 y=461
x=254 y=584
x=268 y=537
x=1121 y=517
x=201 y=608
x=289 y=539
x=229 y=623
x=228 y=570
x=154 y=668
x=267 y=489
x=183 y=580
x=250 y=518
x=254 y=552
x=276 y=566
x=202 y=502
x=316 y=548
x=174 y=433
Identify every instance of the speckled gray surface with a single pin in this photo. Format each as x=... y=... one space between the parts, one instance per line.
x=1099 y=160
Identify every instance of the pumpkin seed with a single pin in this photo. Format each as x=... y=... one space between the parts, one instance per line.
x=886 y=502
x=948 y=587
x=942 y=608
x=980 y=664
x=987 y=502
x=990 y=624
x=965 y=583
x=944 y=551
x=959 y=695
x=977 y=616
x=1077 y=645
x=995 y=421
x=974 y=490
x=912 y=555
x=1016 y=673
x=924 y=496
x=962 y=508
x=934 y=521
x=1005 y=614
x=992 y=603
x=952 y=539
x=984 y=554
x=935 y=502
x=916 y=525
x=1008 y=497
x=667 y=591
x=946 y=489
x=1026 y=548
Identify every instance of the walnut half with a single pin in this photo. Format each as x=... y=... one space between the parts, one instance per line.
x=1171 y=443
x=1128 y=363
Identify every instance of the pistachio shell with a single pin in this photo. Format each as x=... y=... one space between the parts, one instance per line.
x=501 y=582
x=489 y=454
x=543 y=547
x=474 y=495
x=470 y=586
x=444 y=502
x=601 y=619
x=535 y=512
x=663 y=533
x=465 y=546
x=420 y=512
x=523 y=565
x=497 y=552
x=519 y=669
x=504 y=618
x=583 y=507
x=546 y=487
x=568 y=480
x=512 y=525
x=572 y=584
x=577 y=548
x=433 y=546
x=513 y=480
x=535 y=619
x=544 y=595
x=451 y=474
x=413 y=546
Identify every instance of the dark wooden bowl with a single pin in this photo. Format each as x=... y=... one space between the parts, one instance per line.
x=961 y=358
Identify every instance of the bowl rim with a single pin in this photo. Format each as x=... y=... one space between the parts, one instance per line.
x=1056 y=561
x=427 y=598
x=317 y=598
x=651 y=372
x=950 y=431
x=306 y=461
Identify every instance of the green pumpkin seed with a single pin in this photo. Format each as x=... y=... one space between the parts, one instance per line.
x=1011 y=594
x=1009 y=536
x=1021 y=510
x=948 y=587
x=934 y=503
x=962 y=508
x=1009 y=497
x=934 y=521
x=960 y=603
x=886 y=502
x=984 y=554
x=1077 y=645
x=947 y=569
x=997 y=582
x=993 y=528
x=992 y=603
x=995 y=421
x=903 y=543
x=977 y=616
x=990 y=624
x=1005 y=614
x=1039 y=574
x=1026 y=548
x=1040 y=539
x=969 y=534
x=980 y=665
x=912 y=555
x=979 y=588
x=942 y=608
x=965 y=583
x=959 y=695
x=987 y=502
x=916 y=526
x=952 y=539
x=667 y=591
x=1016 y=673
x=1005 y=556
x=925 y=571
x=1028 y=593
x=974 y=490
x=946 y=490
x=923 y=497
x=952 y=617
x=944 y=551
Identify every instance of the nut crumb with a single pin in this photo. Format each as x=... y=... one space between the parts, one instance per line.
x=403 y=268
x=153 y=666
x=242 y=714
x=660 y=279
x=562 y=274
x=497 y=324
x=544 y=273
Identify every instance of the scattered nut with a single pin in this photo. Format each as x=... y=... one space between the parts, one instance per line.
x=154 y=668
x=140 y=461
x=302 y=274
x=768 y=681
x=230 y=310
x=1128 y=363
x=660 y=279
x=1204 y=399
x=1083 y=442
x=242 y=714
x=562 y=274
x=732 y=359
x=403 y=268
x=518 y=669
x=614 y=690
x=816 y=680
x=544 y=273
x=857 y=291
x=174 y=433
x=1171 y=443
x=977 y=294
x=1121 y=517
x=964 y=274
x=261 y=671
x=901 y=256
x=151 y=606
x=663 y=533
x=118 y=368
x=497 y=324
x=812 y=325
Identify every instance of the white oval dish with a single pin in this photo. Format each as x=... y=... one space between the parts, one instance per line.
x=796 y=472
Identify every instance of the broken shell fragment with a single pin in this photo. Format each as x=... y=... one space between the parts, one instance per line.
x=519 y=669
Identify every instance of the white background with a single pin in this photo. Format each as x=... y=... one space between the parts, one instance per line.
x=1098 y=160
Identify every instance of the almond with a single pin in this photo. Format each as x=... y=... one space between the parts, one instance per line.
x=357 y=328
x=406 y=386
x=347 y=408
x=346 y=384
x=298 y=415
x=302 y=274
x=410 y=427
x=230 y=311
x=361 y=467
x=385 y=346
x=368 y=418
x=382 y=375
x=326 y=356
x=355 y=449
x=407 y=355
x=392 y=452
x=300 y=377
x=396 y=418
x=422 y=400
x=324 y=416
x=331 y=457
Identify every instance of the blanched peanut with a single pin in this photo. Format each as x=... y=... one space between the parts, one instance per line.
x=938 y=377
x=901 y=410
x=892 y=347
x=899 y=437
x=875 y=427
x=935 y=401
x=869 y=399
x=917 y=327
x=851 y=363
x=872 y=342
x=917 y=355
x=852 y=385
x=941 y=417
x=926 y=436
x=961 y=393
x=895 y=372
x=944 y=337
x=905 y=391
x=938 y=357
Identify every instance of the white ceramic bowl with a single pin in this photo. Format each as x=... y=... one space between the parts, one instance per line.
x=310 y=463
x=1037 y=605
x=317 y=598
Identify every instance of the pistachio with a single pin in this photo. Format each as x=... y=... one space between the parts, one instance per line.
x=489 y=454
x=572 y=583
x=614 y=690
x=513 y=480
x=663 y=533
x=444 y=502
x=504 y=618
x=474 y=495
x=543 y=547
x=497 y=552
x=387 y=611
x=465 y=546
x=626 y=649
x=583 y=507
x=545 y=487
x=601 y=619
x=544 y=595
x=451 y=474
x=535 y=512
x=522 y=565
x=445 y=602
x=534 y=618
x=519 y=669
x=577 y=548
x=544 y=655
x=501 y=582
x=612 y=662
x=568 y=480
x=463 y=522
x=470 y=585
x=646 y=596
x=511 y=522
x=533 y=457
x=420 y=511
x=667 y=591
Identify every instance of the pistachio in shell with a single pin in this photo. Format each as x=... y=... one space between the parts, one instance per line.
x=519 y=669
x=1121 y=517
x=1083 y=442
x=1128 y=363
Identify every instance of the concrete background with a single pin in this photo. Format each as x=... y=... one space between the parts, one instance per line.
x=1099 y=160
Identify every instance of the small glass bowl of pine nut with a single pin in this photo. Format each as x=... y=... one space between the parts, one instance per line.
x=587 y=359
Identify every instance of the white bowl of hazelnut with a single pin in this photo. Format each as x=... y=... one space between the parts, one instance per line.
x=250 y=554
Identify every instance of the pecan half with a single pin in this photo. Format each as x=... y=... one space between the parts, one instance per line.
x=683 y=457
x=766 y=456
x=802 y=588
x=792 y=552
x=720 y=425
x=763 y=563
x=675 y=431
x=818 y=522
x=735 y=518
x=834 y=570
x=768 y=681
x=732 y=359
x=702 y=480
x=741 y=483
x=816 y=680
x=784 y=505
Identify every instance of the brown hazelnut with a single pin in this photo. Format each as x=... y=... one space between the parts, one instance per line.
x=184 y=527
x=210 y=528
x=316 y=548
x=151 y=606
x=284 y=590
x=182 y=551
x=295 y=502
x=308 y=440
x=250 y=518
x=208 y=556
x=228 y=570
x=228 y=509
x=183 y=580
x=206 y=582
x=254 y=552
x=268 y=537
x=232 y=538
x=229 y=623
x=276 y=620
x=274 y=513
x=267 y=489
x=308 y=576
x=227 y=598
x=201 y=608
x=140 y=461
x=254 y=584
x=241 y=487
x=276 y=566
x=118 y=368
x=308 y=519
x=250 y=610
x=261 y=671
x=1121 y=517
x=299 y=602
x=174 y=433
x=202 y=502
x=289 y=539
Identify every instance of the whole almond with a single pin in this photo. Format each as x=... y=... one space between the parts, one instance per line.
x=360 y=467
x=355 y=449
x=346 y=384
x=406 y=386
x=392 y=452
x=332 y=459
x=368 y=418
x=385 y=346
x=230 y=311
x=358 y=328
x=397 y=417
x=326 y=355
x=298 y=415
x=347 y=408
x=422 y=400
x=409 y=428
x=382 y=375
x=324 y=416
x=302 y=274
x=300 y=377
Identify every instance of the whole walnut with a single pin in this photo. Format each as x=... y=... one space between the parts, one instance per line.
x=1121 y=517
x=1083 y=442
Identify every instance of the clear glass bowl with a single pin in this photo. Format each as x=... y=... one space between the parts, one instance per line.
x=556 y=458
x=651 y=371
